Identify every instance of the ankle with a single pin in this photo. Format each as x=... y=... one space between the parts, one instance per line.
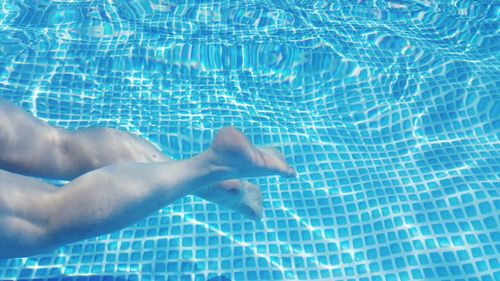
x=217 y=169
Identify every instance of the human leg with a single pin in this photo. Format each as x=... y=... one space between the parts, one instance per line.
x=112 y=197
x=31 y=147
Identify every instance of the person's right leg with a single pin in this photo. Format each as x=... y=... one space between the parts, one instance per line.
x=107 y=199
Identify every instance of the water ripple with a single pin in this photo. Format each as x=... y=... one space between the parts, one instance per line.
x=389 y=111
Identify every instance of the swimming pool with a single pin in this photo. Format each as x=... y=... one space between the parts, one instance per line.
x=389 y=111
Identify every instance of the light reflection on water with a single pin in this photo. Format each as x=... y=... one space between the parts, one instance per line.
x=390 y=112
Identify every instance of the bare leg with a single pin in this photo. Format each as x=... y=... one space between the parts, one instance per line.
x=31 y=147
x=107 y=199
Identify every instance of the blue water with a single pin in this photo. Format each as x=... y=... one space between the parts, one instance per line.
x=389 y=111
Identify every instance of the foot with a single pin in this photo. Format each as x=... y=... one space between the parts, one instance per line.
x=240 y=196
x=233 y=153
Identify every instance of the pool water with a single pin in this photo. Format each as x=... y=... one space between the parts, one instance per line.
x=388 y=110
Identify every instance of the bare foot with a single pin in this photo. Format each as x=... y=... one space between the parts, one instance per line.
x=235 y=154
x=240 y=196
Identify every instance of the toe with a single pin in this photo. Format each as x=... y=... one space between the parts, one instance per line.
x=291 y=173
x=275 y=162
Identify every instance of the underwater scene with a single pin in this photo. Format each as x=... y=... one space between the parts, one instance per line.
x=389 y=111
